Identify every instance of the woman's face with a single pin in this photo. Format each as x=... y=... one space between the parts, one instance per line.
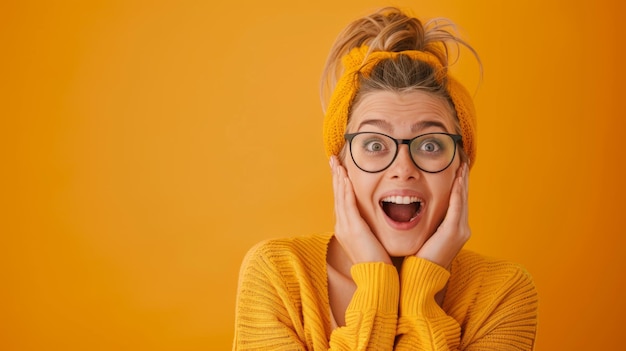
x=402 y=116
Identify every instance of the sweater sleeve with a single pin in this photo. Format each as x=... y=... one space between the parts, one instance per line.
x=423 y=324
x=270 y=312
x=503 y=313
x=372 y=313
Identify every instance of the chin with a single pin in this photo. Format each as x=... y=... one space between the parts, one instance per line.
x=401 y=248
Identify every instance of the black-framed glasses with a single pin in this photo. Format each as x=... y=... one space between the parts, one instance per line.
x=374 y=152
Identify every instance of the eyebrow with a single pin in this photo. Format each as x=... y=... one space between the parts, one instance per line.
x=427 y=124
x=382 y=124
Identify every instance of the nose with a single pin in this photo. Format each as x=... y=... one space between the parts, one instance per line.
x=403 y=167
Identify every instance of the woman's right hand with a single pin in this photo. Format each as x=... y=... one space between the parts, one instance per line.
x=351 y=230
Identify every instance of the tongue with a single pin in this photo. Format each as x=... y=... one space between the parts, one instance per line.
x=400 y=213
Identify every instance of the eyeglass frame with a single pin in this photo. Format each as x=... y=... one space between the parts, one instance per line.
x=455 y=137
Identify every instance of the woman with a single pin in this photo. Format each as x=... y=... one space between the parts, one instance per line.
x=400 y=135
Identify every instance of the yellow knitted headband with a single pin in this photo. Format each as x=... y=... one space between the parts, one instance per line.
x=358 y=61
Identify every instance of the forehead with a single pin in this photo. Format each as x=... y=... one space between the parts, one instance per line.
x=402 y=111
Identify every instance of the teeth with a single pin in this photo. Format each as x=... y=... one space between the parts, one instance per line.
x=401 y=200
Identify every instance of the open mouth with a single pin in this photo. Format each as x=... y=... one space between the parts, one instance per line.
x=401 y=208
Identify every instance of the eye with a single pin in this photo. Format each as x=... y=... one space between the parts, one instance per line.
x=374 y=145
x=430 y=146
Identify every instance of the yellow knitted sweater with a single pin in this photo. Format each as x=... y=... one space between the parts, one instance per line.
x=282 y=303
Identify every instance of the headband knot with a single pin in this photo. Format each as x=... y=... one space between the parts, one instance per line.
x=361 y=60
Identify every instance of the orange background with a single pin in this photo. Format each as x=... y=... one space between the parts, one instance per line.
x=147 y=145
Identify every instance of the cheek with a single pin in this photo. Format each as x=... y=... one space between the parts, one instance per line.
x=442 y=185
x=363 y=185
x=359 y=182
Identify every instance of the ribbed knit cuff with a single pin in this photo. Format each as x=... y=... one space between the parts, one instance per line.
x=378 y=286
x=421 y=280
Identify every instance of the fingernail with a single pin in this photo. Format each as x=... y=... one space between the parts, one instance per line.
x=331 y=162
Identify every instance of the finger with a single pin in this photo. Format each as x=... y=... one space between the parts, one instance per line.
x=465 y=192
x=458 y=207
x=455 y=204
x=338 y=190
x=462 y=224
x=350 y=211
x=338 y=182
x=345 y=205
x=349 y=196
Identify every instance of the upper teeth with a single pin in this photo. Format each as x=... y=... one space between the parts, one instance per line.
x=402 y=200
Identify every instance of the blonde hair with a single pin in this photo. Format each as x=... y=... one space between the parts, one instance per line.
x=390 y=29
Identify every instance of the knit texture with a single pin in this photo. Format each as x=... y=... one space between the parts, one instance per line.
x=282 y=303
x=361 y=60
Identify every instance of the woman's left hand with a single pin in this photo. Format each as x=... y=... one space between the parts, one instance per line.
x=454 y=231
